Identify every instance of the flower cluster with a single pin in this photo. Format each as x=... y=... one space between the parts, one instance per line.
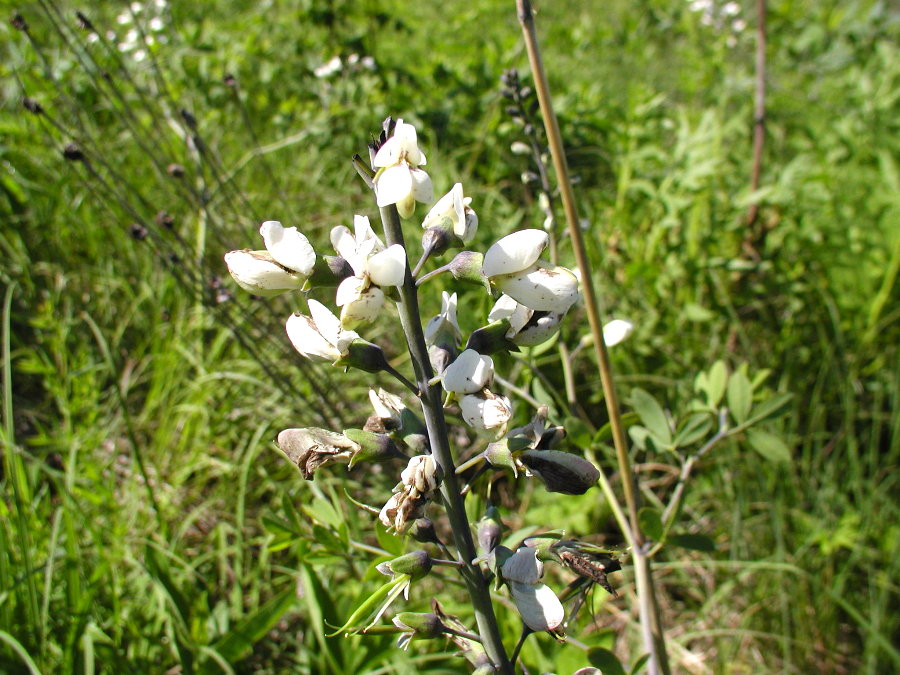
x=532 y=297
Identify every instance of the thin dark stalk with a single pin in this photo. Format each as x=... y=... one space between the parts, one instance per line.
x=432 y=408
x=654 y=640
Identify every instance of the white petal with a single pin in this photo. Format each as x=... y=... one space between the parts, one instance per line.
x=616 y=331
x=364 y=309
x=541 y=288
x=470 y=226
x=393 y=185
x=349 y=290
x=537 y=603
x=326 y=323
x=409 y=141
x=515 y=252
x=422 y=190
x=257 y=272
x=289 y=247
x=345 y=246
x=388 y=268
x=507 y=308
x=406 y=206
x=304 y=335
x=441 y=214
x=389 y=153
x=540 y=331
x=363 y=231
x=469 y=373
x=486 y=413
x=523 y=566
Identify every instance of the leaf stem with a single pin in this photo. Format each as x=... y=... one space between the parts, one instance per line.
x=654 y=641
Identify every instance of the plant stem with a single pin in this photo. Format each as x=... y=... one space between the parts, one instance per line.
x=654 y=641
x=759 y=109
x=432 y=409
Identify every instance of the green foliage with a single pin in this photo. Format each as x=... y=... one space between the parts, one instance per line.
x=145 y=524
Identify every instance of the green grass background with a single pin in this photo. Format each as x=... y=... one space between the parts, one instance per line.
x=147 y=525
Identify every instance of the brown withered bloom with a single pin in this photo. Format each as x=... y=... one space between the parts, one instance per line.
x=312 y=448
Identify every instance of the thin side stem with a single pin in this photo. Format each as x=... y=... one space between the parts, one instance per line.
x=432 y=408
x=654 y=640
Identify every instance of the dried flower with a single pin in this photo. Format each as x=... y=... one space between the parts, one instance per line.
x=312 y=448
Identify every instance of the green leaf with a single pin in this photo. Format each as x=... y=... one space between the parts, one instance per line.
x=650 y=522
x=652 y=415
x=770 y=446
x=605 y=660
x=768 y=410
x=712 y=384
x=740 y=396
x=694 y=542
x=238 y=643
x=696 y=428
x=639 y=664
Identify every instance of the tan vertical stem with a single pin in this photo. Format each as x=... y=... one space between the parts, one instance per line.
x=650 y=624
x=759 y=110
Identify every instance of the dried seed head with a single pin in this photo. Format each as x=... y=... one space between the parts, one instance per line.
x=73 y=153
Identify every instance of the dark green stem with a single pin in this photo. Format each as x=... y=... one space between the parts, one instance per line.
x=432 y=409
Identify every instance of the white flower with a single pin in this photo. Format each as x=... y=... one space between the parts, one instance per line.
x=319 y=334
x=512 y=265
x=285 y=265
x=329 y=68
x=359 y=296
x=400 y=181
x=445 y=321
x=289 y=247
x=469 y=373
x=514 y=252
x=452 y=213
x=387 y=406
x=527 y=328
x=421 y=473
x=257 y=272
x=616 y=331
x=537 y=603
x=487 y=413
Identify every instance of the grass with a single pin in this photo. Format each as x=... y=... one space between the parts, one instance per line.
x=146 y=522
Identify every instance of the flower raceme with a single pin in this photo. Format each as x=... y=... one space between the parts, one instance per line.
x=285 y=265
x=399 y=180
x=360 y=296
x=513 y=266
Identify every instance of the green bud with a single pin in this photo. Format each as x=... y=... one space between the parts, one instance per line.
x=424 y=625
x=436 y=240
x=466 y=266
x=490 y=530
x=373 y=447
x=492 y=338
x=422 y=530
x=416 y=564
x=363 y=355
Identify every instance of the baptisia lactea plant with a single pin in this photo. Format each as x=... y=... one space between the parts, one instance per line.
x=453 y=374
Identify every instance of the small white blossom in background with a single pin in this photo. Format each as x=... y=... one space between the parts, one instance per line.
x=724 y=17
x=329 y=68
x=135 y=41
x=400 y=181
x=617 y=331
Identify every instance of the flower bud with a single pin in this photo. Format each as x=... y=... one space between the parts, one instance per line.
x=363 y=355
x=422 y=530
x=560 y=471
x=436 y=240
x=416 y=564
x=490 y=529
x=424 y=625
x=466 y=266
x=373 y=447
